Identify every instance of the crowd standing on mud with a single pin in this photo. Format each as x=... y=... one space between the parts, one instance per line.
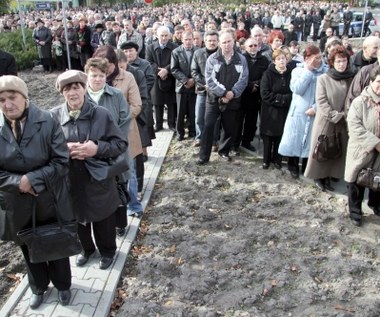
x=216 y=72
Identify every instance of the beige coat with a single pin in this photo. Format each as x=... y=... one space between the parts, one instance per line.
x=364 y=131
x=330 y=97
x=127 y=84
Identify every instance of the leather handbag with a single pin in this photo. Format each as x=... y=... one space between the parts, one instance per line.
x=328 y=147
x=101 y=170
x=367 y=177
x=52 y=241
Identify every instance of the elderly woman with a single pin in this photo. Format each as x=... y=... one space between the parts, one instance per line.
x=331 y=92
x=33 y=149
x=90 y=132
x=295 y=142
x=123 y=80
x=363 y=146
x=276 y=97
x=112 y=99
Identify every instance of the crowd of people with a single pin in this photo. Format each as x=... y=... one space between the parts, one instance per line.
x=217 y=73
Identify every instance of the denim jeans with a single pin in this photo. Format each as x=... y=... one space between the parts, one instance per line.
x=134 y=205
x=200 y=109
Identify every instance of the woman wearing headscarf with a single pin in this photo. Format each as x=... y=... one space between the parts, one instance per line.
x=363 y=146
x=90 y=132
x=330 y=120
x=33 y=149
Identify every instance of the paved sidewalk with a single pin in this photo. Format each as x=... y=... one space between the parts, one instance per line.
x=93 y=289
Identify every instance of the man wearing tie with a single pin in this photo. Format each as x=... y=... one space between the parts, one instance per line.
x=185 y=85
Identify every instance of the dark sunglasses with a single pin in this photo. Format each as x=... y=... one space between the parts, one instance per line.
x=252 y=45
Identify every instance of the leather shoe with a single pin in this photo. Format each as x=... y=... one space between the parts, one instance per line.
x=64 y=297
x=180 y=138
x=356 y=222
x=105 y=262
x=295 y=174
x=35 y=301
x=328 y=186
x=202 y=162
x=249 y=147
x=120 y=231
x=319 y=184
x=197 y=143
x=265 y=166
x=82 y=259
x=277 y=165
x=225 y=157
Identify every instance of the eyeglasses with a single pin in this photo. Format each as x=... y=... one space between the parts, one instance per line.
x=252 y=45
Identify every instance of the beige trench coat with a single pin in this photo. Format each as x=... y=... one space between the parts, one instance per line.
x=330 y=97
x=363 y=129
x=127 y=84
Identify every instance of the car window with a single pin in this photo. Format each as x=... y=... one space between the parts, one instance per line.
x=358 y=17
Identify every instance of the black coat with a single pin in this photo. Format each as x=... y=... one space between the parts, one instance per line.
x=41 y=153
x=256 y=68
x=163 y=90
x=276 y=97
x=7 y=64
x=92 y=201
x=180 y=68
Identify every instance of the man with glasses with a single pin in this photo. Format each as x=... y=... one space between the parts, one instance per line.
x=251 y=100
x=130 y=35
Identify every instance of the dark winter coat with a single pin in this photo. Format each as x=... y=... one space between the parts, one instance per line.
x=92 y=200
x=256 y=67
x=276 y=97
x=163 y=90
x=198 y=67
x=7 y=64
x=181 y=70
x=42 y=153
x=43 y=34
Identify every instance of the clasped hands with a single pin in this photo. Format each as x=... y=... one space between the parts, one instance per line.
x=80 y=151
x=227 y=98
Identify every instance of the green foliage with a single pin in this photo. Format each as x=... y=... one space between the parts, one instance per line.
x=4 y=6
x=12 y=43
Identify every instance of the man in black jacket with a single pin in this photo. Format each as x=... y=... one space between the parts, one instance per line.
x=7 y=64
x=185 y=85
x=251 y=100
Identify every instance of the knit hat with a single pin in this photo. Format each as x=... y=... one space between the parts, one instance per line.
x=10 y=82
x=130 y=44
x=69 y=77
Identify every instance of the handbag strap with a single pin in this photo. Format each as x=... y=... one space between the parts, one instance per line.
x=50 y=189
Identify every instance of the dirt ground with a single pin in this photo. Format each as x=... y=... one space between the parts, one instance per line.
x=232 y=239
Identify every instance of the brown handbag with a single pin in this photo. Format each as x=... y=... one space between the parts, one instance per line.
x=328 y=147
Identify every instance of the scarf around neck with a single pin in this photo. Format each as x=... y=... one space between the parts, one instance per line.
x=112 y=76
x=334 y=74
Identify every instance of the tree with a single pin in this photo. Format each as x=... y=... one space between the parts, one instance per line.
x=4 y=6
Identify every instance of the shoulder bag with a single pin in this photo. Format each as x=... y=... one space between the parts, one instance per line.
x=328 y=147
x=367 y=177
x=53 y=241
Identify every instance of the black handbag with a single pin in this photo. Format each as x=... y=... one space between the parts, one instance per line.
x=52 y=241
x=104 y=169
x=328 y=147
x=367 y=177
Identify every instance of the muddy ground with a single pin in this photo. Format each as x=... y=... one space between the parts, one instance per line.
x=232 y=239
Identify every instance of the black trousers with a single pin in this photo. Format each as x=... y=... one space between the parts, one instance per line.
x=247 y=123
x=228 y=120
x=293 y=164
x=104 y=234
x=140 y=170
x=40 y=274
x=270 y=153
x=159 y=115
x=186 y=110
x=355 y=199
